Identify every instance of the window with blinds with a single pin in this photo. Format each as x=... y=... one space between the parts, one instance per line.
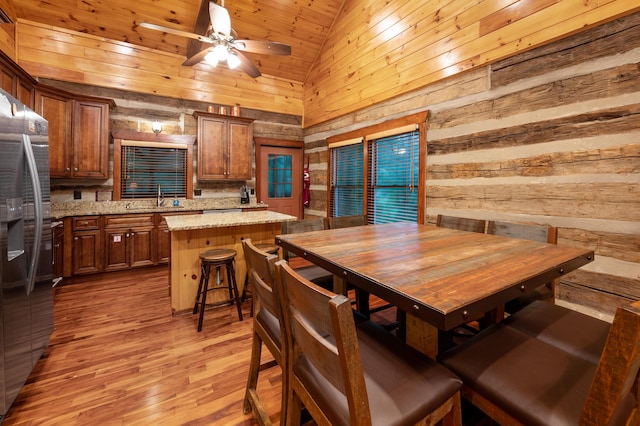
x=145 y=168
x=392 y=190
x=347 y=180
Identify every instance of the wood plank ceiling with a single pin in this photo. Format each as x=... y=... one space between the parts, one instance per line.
x=303 y=25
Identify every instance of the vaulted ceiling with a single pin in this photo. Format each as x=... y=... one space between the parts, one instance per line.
x=303 y=24
x=347 y=55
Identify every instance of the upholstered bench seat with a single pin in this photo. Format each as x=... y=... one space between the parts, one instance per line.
x=568 y=330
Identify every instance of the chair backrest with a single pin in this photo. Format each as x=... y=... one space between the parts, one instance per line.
x=300 y=225
x=322 y=338
x=347 y=221
x=261 y=270
x=461 y=223
x=541 y=233
x=617 y=372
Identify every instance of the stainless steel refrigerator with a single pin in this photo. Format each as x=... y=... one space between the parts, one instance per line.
x=26 y=295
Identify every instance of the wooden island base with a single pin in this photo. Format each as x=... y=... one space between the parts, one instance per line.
x=193 y=234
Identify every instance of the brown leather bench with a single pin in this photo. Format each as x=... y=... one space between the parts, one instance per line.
x=532 y=372
x=568 y=330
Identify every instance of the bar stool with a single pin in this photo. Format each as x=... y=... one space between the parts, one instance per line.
x=215 y=259
x=268 y=248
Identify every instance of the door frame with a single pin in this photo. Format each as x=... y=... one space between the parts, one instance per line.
x=272 y=142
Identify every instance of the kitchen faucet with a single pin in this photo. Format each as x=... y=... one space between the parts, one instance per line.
x=160 y=199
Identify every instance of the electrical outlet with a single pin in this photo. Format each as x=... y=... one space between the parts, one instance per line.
x=77 y=194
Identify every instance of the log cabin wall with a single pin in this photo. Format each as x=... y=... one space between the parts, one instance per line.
x=136 y=112
x=551 y=136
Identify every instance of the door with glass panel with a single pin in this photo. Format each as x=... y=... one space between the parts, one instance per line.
x=281 y=179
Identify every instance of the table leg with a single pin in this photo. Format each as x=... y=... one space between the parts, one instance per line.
x=339 y=285
x=421 y=336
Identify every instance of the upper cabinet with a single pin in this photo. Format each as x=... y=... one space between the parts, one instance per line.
x=78 y=133
x=15 y=81
x=225 y=147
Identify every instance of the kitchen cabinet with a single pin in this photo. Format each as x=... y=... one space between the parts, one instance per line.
x=87 y=245
x=16 y=81
x=129 y=241
x=225 y=147
x=78 y=133
x=105 y=243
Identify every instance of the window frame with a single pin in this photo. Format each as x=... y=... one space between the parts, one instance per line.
x=387 y=128
x=153 y=140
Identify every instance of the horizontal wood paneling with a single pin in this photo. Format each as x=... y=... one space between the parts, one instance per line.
x=625 y=247
x=619 y=36
x=7 y=40
x=601 y=293
x=375 y=53
x=611 y=82
x=618 y=119
x=577 y=200
x=50 y=52
x=623 y=159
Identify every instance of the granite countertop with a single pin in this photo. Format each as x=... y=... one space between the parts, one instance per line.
x=60 y=210
x=220 y=220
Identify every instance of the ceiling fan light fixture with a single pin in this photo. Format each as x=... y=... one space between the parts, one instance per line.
x=221 y=51
x=211 y=58
x=233 y=60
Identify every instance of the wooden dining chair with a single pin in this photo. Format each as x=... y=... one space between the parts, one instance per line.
x=311 y=272
x=347 y=221
x=266 y=329
x=461 y=223
x=348 y=375
x=517 y=378
x=540 y=233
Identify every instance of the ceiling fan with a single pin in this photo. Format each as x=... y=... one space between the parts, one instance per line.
x=221 y=43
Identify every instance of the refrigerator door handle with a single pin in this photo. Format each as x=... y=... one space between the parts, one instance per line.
x=37 y=208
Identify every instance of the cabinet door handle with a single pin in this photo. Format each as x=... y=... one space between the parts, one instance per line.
x=75 y=238
x=75 y=169
x=67 y=169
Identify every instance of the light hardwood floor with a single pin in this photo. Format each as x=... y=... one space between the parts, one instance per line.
x=118 y=357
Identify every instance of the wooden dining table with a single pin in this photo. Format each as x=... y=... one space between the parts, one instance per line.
x=444 y=277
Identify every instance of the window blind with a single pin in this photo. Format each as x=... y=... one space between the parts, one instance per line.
x=145 y=168
x=347 y=180
x=393 y=166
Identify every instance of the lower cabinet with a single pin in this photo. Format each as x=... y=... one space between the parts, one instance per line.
x=116 y=242
x=129 y=241
x=87 y=245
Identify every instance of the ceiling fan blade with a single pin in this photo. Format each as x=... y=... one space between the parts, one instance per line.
x=201 y=26
x=220 y=20
x=175 y=32
x=198 y=57
x=246 y=66
x=262 y=46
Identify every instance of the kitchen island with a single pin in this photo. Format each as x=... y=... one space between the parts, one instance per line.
x=193 y=234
